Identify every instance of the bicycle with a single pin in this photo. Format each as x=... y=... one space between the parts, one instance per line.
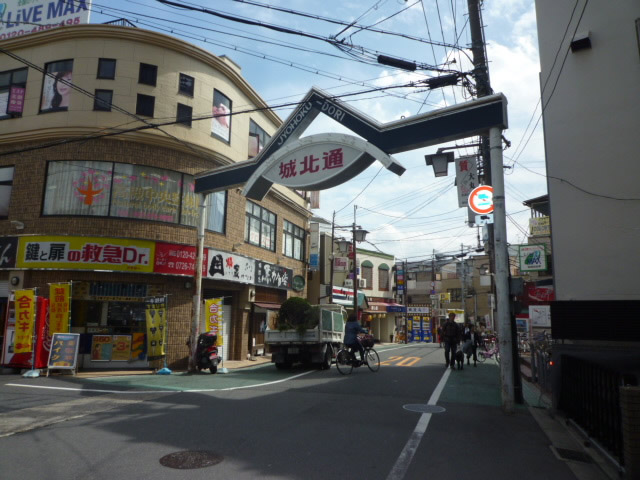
x=346 y=359
x=483 y=352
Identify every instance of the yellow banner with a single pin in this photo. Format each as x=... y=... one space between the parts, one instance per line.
x=59 y=307
x=213 y=317
x=25 y=307
x=156 y=315
x=89 y=253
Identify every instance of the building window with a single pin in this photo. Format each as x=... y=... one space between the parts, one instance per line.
x=6 y=185
x=102 y=100
x=293 y=241
x=366 y=273
x=456 y=294
x=258 y=138
x=148 y=74
x=383 y=277
x=185 y=84
x=221 y=121
x=126 y=191
x=56 y=87
x=184 y=115
x=13 y=86
x=106 y=68
x=145 y=105
x=260 y=227
x=216 y=211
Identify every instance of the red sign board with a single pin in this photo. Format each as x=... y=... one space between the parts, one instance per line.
x=177 y=259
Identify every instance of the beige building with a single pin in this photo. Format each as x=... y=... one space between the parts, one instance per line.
x=102 y=130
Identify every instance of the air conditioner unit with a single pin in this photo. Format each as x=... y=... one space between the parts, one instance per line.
x=348 y=282
x=362 y=283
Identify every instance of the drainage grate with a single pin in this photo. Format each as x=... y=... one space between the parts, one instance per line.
x=567 y=454
x=190 y=459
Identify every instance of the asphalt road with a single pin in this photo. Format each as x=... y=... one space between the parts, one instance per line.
x=268 y=424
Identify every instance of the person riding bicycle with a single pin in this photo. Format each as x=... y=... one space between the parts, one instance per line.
x=351 y=331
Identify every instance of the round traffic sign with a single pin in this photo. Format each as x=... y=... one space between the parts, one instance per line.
x=481 y=199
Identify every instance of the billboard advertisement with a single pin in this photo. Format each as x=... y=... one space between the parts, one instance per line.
x=21 y=17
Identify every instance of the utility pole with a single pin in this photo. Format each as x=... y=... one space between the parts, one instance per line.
x=498 y=254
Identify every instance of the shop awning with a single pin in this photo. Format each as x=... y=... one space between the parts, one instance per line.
x=396 y=308
x=344 y=296
x=377 y=307
x=268 y=306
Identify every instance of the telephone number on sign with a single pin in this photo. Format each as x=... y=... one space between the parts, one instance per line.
x=17 y=33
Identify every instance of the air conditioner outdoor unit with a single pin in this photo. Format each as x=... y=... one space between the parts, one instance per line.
x=348 y=282
x=362 y=283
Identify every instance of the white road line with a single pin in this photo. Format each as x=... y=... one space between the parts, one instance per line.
x=124 y=392
x=401 y=466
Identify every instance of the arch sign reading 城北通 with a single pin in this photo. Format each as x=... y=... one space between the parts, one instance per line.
x=326 y=160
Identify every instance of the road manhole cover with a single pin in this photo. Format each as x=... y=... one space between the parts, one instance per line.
x=422 y=408
x=190 y=459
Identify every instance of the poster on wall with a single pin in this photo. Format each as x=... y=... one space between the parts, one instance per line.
x=156 y=317
x=221 y=121
x=101 y=348
x=121 y=350
x=56 y=86
x=231 y=267
x=540 y=315
x=20 y=17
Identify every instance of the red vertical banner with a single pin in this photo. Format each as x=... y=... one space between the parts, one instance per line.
x=43 y=334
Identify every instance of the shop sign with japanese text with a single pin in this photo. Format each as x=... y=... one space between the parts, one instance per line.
x=8 y=249
x=85 y=253
x=274 y=276
x=231 y=267
x=25 y=308
x=540 y=226
x=21 y=17
x=466 y=178
x=532 y=257
x=177 y=259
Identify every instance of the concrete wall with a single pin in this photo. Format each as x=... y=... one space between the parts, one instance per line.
x=591 y=102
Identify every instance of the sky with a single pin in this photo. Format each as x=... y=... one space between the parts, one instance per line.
x=416 y=214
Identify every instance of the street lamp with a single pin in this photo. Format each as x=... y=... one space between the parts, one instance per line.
x=358 y=235
x=440 y=162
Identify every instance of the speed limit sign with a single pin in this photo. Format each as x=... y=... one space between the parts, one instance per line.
x=481 y=199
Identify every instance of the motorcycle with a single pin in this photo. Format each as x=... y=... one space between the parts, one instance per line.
x=207 y=352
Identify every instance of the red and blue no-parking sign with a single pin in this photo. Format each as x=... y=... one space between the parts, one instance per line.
x=481 y=199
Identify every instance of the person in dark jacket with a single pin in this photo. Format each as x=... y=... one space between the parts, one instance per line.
x=450 y=337
x=470 y=341
x=351 y=331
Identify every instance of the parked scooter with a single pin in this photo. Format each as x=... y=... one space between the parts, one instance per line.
x=207 y=352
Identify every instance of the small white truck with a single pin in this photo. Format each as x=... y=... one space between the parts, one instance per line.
x=318 y=345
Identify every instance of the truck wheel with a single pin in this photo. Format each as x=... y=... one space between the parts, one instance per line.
x=328 y=356
x=283 y=366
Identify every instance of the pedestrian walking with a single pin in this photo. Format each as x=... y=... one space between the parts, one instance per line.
x=450 y=337
x=470 y=341
x=440 y=335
